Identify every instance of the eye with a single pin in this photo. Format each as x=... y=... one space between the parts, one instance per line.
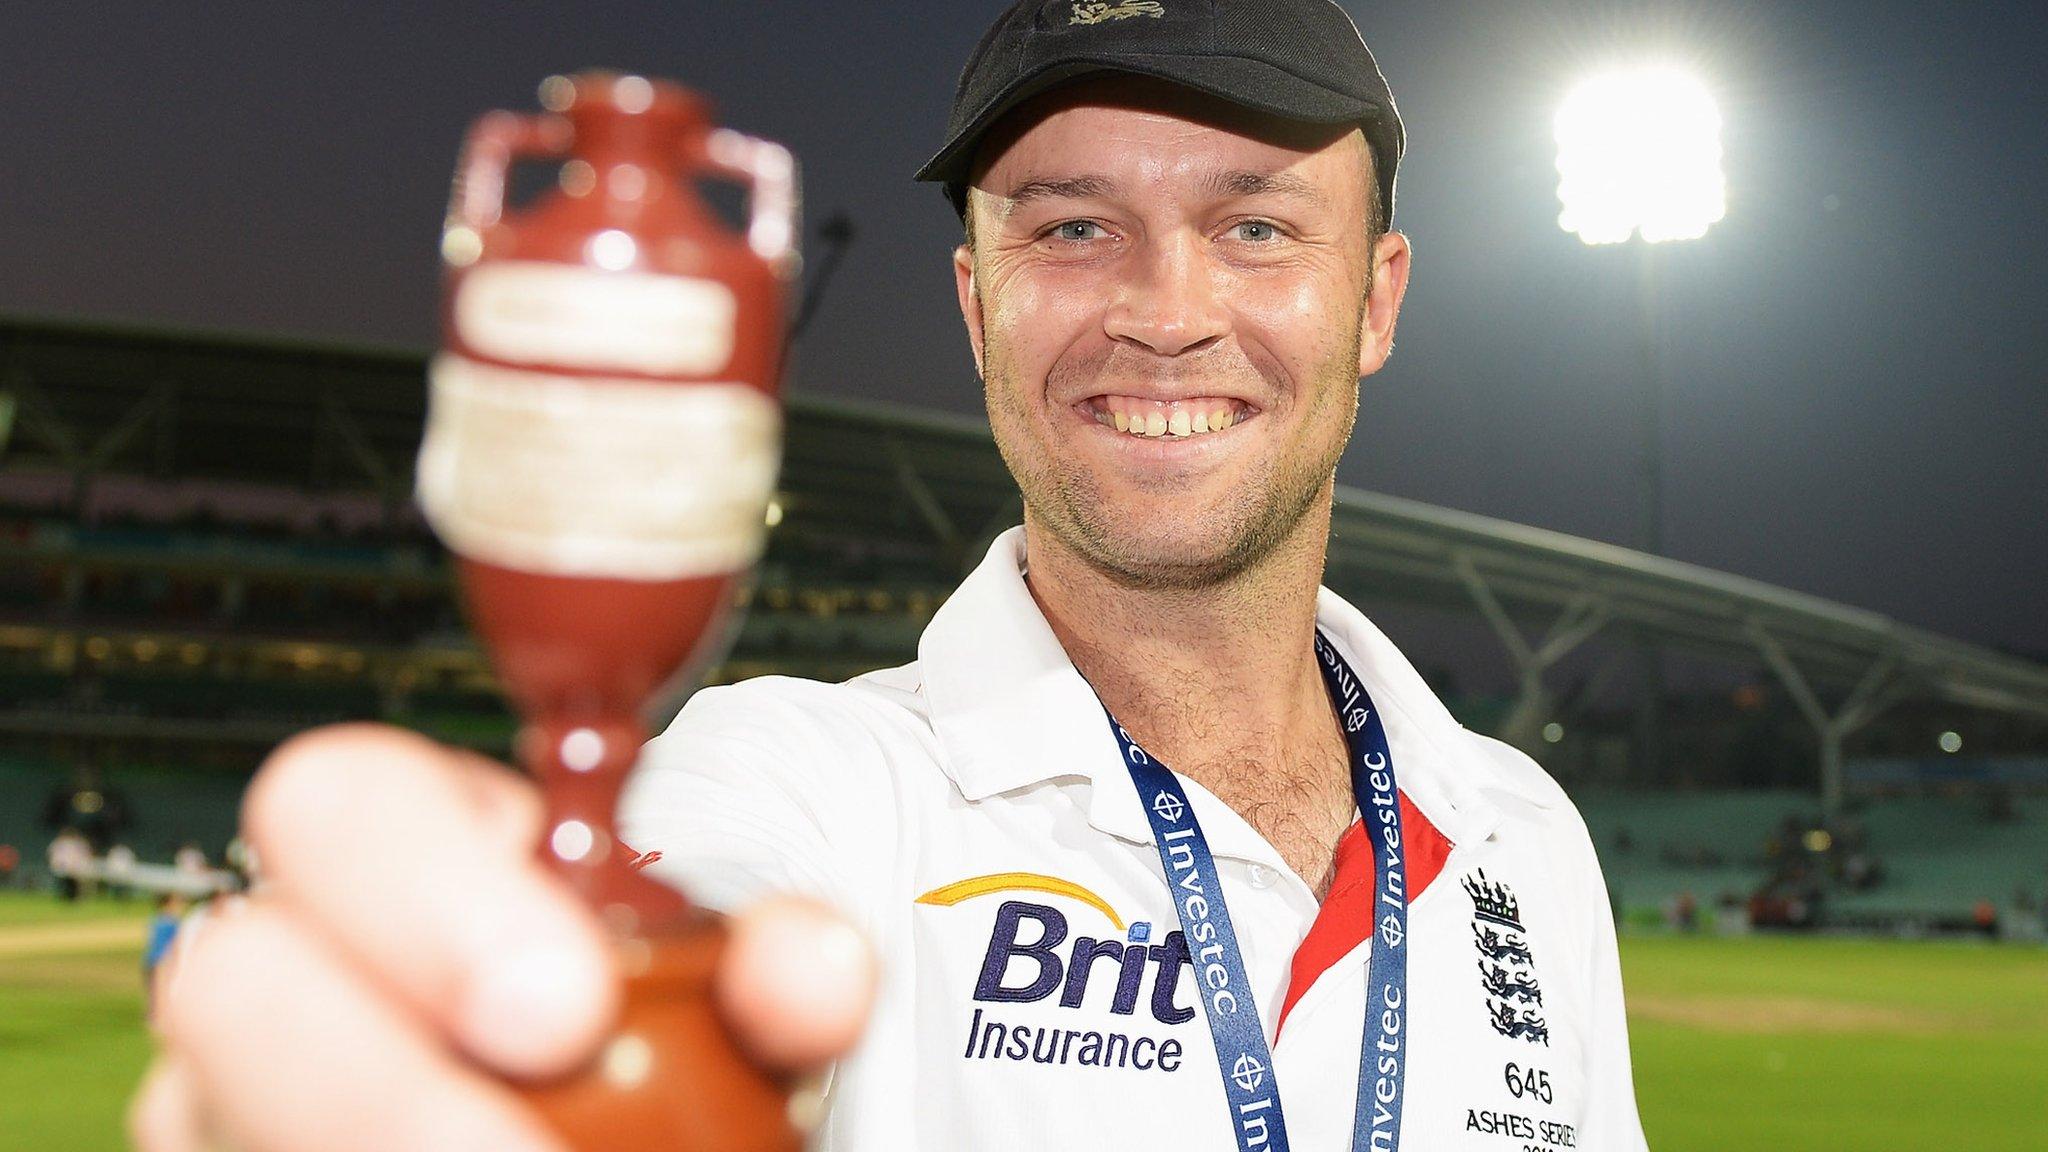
x=1257 y=231
x=1077 y=230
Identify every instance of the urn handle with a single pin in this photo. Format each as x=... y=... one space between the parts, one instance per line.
x=494 y=143
x=769 y=172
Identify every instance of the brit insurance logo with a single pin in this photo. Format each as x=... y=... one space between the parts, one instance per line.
x=1507 y=969
x=1049 y=991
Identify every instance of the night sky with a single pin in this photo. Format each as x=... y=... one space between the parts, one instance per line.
x=1856 y=359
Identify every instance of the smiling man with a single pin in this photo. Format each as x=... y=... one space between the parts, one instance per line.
x=1158 y=842
x=1171 y=301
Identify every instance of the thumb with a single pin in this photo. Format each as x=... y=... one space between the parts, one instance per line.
x=796 y=983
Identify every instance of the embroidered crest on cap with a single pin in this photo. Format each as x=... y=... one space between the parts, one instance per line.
x=1098 y=12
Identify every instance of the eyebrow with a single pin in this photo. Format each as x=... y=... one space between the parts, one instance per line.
x=1236 y=183
x=1065 y=188
x=1241 y=182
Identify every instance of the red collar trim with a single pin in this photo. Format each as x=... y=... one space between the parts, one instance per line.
x=1346 y=916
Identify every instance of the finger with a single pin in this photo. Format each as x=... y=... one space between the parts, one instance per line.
x=418 y=861
x=796 y=983
x=289 y=1048
x=165 y=1116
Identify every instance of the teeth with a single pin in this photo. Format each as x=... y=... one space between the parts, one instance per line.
x=1178 y=422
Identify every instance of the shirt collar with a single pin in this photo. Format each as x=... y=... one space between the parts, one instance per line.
x=1010 y=711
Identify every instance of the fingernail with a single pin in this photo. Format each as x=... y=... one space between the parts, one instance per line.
x=840 y=952
x=534 y=1006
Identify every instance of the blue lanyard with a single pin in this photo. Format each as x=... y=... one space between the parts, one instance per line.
x=1243 y=1059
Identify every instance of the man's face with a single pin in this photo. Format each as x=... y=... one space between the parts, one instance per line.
x=1145 y=257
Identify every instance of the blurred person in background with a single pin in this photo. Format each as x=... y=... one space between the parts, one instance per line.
x=163 y=930
x=70 y=857
x=120 y=860
x=190 y=860
x=241 y=860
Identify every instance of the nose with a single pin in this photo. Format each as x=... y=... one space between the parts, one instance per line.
x=1166 y=301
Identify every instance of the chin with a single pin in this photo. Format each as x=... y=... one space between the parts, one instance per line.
x=1188 y=551
x=1181 y=540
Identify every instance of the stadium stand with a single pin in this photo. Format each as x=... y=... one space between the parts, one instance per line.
x=1915 y=863
x=1657 y=846
x=172 y=808
x=207 y=543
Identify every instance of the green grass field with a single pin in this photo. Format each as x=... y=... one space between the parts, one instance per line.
x=1785 y=1044
x=1788 y=1043
x=72 y=1042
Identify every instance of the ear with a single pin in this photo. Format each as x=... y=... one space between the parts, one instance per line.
x=1383 y=305
x=970 y=300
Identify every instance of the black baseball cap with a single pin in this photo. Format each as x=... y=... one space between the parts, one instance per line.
x=1299 y=60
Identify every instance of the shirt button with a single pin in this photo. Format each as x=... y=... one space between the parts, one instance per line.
x=1262 y=876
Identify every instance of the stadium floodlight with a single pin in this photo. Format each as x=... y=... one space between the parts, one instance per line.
x=1639 y=151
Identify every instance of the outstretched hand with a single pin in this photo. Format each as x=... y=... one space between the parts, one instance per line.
x=406 y=952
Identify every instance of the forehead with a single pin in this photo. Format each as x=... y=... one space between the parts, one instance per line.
x=1152 y=131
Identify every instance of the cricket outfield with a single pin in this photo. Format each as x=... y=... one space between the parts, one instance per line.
x=1758 y=1042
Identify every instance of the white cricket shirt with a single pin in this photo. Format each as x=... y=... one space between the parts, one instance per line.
x=972 y=813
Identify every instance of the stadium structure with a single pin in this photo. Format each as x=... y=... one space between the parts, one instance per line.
x=209 y=544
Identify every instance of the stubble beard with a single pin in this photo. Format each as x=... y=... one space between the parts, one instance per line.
x=1220 y=543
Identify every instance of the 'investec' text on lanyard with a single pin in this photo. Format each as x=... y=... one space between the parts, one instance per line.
x=1243 y=1058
